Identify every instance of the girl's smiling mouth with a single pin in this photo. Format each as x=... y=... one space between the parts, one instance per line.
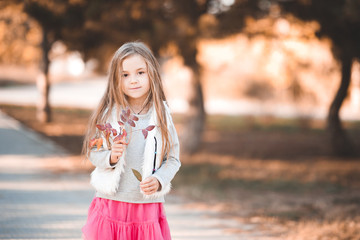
x=135 y=88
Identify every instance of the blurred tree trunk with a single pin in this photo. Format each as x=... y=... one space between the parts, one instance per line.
x=340 y=142
x=195 y=117
x=43 y=83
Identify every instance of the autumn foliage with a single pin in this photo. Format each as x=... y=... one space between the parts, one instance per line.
x=107 y=130
x=127 y=118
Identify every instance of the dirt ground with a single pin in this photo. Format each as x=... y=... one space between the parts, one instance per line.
x=277 y=177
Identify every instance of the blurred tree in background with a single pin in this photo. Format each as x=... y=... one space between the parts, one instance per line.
x=339 y=21
x=18 y=46
x=58 y=20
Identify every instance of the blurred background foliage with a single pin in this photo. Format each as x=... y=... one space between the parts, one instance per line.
x=186 y=30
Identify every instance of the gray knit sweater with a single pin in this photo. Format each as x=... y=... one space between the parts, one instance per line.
x=129 y=187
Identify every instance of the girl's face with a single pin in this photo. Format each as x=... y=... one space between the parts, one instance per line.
x=135 y=79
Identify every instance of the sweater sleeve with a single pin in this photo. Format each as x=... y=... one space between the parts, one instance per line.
x=170 y=166
x=101 y=158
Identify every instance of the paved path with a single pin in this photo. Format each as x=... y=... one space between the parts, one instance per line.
x=36 y=202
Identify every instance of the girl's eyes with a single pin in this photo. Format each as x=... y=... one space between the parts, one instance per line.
x=124 y=75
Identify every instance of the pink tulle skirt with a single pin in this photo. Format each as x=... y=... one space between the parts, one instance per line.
x=108 y=219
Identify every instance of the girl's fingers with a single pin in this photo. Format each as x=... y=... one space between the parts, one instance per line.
x=146 y=180
x=118 y=146
x=117 y=150
x=149 y=185
x=145 y=183
x=148 y=191
x=116 y=154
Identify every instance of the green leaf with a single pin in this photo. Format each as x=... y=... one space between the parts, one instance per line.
x=137 y=175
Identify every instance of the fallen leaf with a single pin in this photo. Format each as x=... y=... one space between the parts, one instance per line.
x=137 y=175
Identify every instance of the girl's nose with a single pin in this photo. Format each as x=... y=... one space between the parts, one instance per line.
x=134 y=79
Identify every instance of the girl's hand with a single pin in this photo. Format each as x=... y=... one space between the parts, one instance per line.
x=117 y=150
x=150 y=185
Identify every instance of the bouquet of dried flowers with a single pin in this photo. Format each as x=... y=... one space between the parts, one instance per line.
x=127 y=118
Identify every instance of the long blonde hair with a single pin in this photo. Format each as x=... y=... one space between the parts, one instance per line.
x=115 y=97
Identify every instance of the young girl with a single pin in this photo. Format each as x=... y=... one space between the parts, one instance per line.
x=134 y=210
